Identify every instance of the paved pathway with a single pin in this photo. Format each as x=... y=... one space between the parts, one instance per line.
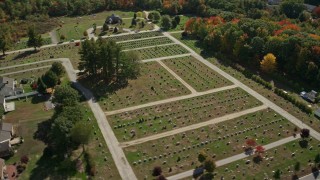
x=53 y=36
x=169 y=100
x=117 y=153
x=234 y=158
x=166 y=57
x=261 y=98
x=148 y=47
x=177 y=77
x=312 y=176
x=193 y=126
x=26 y=70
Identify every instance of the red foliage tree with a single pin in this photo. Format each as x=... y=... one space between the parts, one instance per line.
x=260 y=149
x=251 y=142
x=316 y=11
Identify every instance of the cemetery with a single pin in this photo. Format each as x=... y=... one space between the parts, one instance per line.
x=24 y=67
x=161 y=51
x=135 y=36
x=154 y=83
x=293 y=159
x=179 y=152
x=145 y=42
x=174 y=115
x=198 y=75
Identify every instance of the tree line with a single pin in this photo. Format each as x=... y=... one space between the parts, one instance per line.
x=104 y=60
x=246 y=40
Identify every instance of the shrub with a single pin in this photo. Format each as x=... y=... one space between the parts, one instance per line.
x=24 y=159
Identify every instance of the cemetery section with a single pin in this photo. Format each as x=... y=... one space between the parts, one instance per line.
x=179 y=152
x=160 y=51
x=136 y=36
x=294 y=158
x=154 y=83
x=145 y=43
x=169 y=116
x=195 y=73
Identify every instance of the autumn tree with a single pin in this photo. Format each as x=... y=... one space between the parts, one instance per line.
x=268 y=64
x=251 y=142
x=35 y=40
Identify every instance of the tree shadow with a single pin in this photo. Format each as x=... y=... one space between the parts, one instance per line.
x=39 y=99
x=257 y=159
x=42 y=132
x=24 y=54
x=207 y=176
x=304 y=143
x=53 y=166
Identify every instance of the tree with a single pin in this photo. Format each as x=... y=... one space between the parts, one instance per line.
x=166 y=22
x=80 y=134
x=105 y=27
x=292 y=8
x=50 y=79
x=251 y=142
x=209 y=165
x=85 y=34
x=115 y=30
x=35 y=40
x=66 y=96
x=58 y=69
x=177 y=19
x=5 y=37
x=297 y=167
x=277 y=174
x=62 y=37
x=202 y=156
x=305 y=133
x=260 y=150
x=317 y=159
x=157 y=171
x=154 y=16
x=133 y=22
x=41 y=86
x=268 y=64
x=135 y=16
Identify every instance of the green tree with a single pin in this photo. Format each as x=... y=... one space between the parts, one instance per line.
x=66 y=96
x=133 y=22
x=62 y=37
x=50 y=79
x=41 y=86
x=177 y=19
x=292 y=8
x=297 y=167
x=317 y=159
x=58 y=69
x=166 y=22
x=5 y=37
x=35 y=40
x=105 y=27
x=209 y=165
x=202 y=156
x=154 y=16
x=277 y=174
x=80 y=134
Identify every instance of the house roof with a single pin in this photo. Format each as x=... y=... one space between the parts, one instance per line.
x=4 y=136
x=2 y=99
x=5 y=146
x=317 y=112
x=6 y=86
x=6 y=127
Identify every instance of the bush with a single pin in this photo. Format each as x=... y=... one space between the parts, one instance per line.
x=24 y=159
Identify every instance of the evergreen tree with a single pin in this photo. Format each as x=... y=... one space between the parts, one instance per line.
x=35 y=40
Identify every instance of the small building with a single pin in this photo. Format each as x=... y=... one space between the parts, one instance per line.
x=317 y=113
x=310 y=96
x=6 y=133
x=6 y=106
x=113 y=19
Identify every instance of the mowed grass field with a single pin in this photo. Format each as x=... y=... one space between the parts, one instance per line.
x=179 y=152
x=197 y=74
x=154 y=83
x=165 y=117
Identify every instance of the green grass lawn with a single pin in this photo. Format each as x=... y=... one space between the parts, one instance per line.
x=73 y=27
x=161 y=51
x=22 y=44
x=179 y=152
x=154 y=83
x=197 y=74
x=60 y=51
x=144 y=43
x=173 y=115
x=281 y=159
x=28 y=117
